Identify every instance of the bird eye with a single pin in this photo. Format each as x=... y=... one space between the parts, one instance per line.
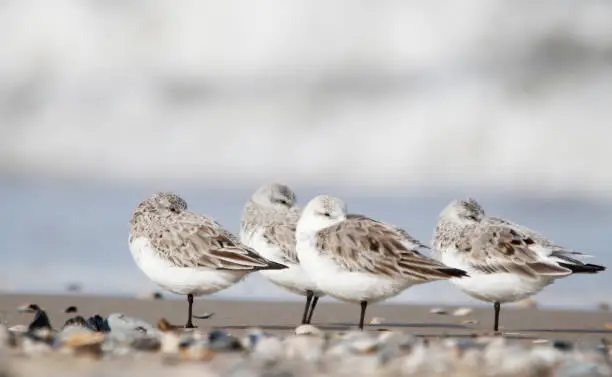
x=174 y=210
x=326 y=214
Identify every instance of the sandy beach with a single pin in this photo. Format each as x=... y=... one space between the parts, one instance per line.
x=582 y=327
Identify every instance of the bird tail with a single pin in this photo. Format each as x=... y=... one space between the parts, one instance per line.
x=587 y=268
x=453 y=272
x=272 y=266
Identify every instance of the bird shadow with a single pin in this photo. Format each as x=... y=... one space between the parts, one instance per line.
x=344 y=326
x=571 y=331
x=276 y=327
x=407 y=325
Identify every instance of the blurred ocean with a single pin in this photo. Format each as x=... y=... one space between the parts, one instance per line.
x=399 y=106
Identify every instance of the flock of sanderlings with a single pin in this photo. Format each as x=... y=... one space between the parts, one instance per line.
x=323 y=249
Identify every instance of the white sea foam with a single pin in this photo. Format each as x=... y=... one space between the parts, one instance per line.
x=477 y=93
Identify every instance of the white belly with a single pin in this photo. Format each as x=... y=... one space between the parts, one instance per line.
x=293 y=278
x=494 y=287
x=180 y=280
x=344 y=285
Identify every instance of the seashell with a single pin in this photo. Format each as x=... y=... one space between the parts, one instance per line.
x=460 y=312
x=123 y=323
x=97 y=323
x=18 y=329
x=83 y=339
x=308 y=330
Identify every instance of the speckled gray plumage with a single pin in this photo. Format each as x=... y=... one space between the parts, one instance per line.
x=272 y=211
x=188 y=239
x=494 y=245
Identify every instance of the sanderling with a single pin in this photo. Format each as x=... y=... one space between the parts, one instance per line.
x=506 y=262
x=356 y=259
x=187 y=253
x=268 y=226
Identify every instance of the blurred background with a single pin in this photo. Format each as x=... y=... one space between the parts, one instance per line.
x=396 y=106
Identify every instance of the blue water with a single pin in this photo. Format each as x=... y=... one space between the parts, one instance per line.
x=55 y=233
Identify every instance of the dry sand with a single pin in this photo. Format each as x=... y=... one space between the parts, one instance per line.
x=235 y=316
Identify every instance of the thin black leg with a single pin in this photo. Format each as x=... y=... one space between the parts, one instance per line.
x=497 y=308
x=308 y=299
x=364 y=305
x=189 y=324
x=315 y=299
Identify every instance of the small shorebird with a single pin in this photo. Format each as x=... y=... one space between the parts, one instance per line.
x=268 y=226
x=506 y=262
x=187 y=253
x=357 y=259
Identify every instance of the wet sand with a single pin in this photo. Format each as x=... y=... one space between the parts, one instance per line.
x=282 y=317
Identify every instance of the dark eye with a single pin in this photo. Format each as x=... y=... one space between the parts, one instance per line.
x=326 y=214
x=174 y=210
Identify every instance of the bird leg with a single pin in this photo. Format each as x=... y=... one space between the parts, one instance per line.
x=309 y=295
x=189 y=324
x=315 y=299
x=364 y=305
x=496 y=307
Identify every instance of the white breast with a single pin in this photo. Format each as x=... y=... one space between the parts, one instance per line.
x=180 y=280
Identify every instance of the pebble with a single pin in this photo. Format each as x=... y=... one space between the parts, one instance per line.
x=151 y=296
x=221 y=341
x=439 y=311
x=310 y=351
x=71 y=309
